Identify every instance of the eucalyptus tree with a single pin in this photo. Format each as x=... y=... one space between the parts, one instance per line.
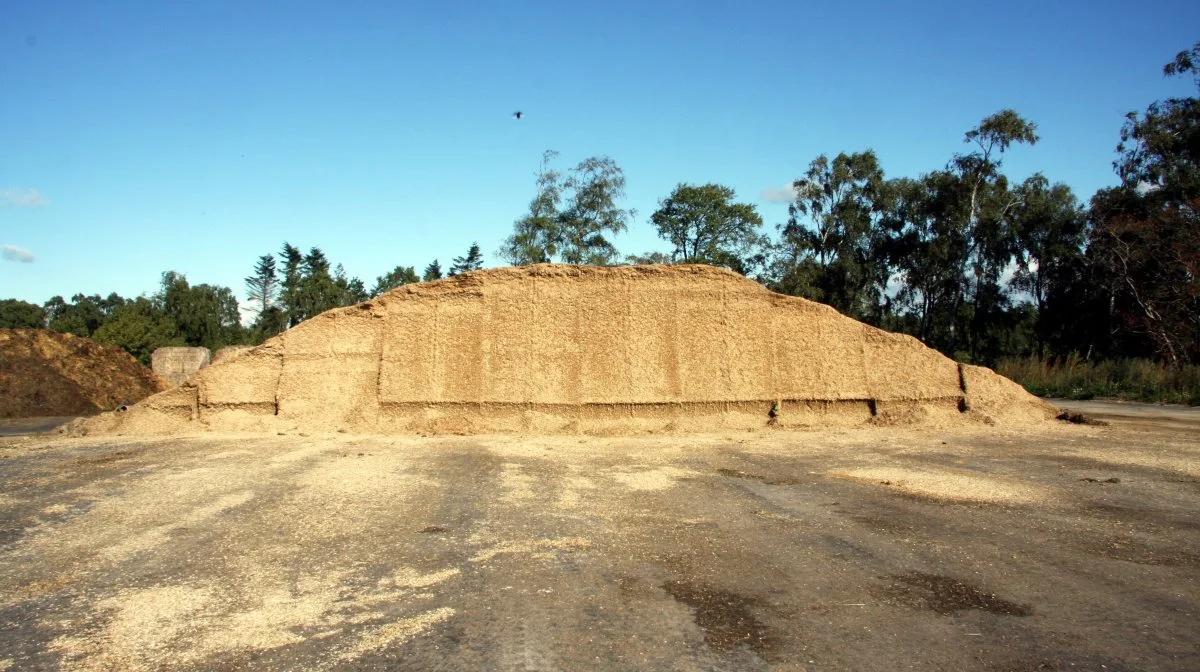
x=535 y=237
x=985 y=201
x=1146 y=238
x=833 y=247
x=571 y=219
x=1050 y=228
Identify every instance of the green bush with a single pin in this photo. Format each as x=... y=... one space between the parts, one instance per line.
x=1131 y=379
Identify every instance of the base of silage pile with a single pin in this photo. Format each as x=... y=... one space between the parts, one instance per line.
x=578 y=349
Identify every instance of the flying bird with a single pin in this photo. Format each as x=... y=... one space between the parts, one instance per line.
x=518 y=114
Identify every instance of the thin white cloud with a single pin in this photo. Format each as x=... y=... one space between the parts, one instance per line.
x=777 y=194
x=20 y=197
x=14 y=253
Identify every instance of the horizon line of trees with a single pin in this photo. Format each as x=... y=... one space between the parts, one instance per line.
x=303 y=286
x=181 y=314
x=959 y=257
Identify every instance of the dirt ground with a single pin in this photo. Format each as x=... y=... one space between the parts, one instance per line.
x=1073 y=548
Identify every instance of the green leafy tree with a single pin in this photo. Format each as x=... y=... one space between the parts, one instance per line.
x=16 y=314
x=83 y=315
x=1146 y=235
x=954 y=237
x=203 y=315
x=1160 y=149
x=706 y=227
x=401 y=275
x=537 y=236
x=592 y=213
x=1186 y=63
x=473 y=261
x=834 y=246
x=928 y=248
x=356 y=291
x=432 y=272
x=139 y=327
x=309 y=286
x=987 y=244
x=316 y=263
x=572 y=219
x=1148 y=256
x=1050 y=229
x=263 y=288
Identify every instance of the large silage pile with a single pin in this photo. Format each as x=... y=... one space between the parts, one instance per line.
x=566 y=349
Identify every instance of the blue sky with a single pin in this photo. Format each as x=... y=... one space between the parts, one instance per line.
x=139 y=137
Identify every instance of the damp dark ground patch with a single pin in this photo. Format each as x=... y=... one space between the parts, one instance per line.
x=765 y=480
x=1080 y=419
x=946 y=595
x=1043 y=666
x=106 y=458
x=886 y=524
x=1141 y=553
x=1145 y=518
x=725 y=617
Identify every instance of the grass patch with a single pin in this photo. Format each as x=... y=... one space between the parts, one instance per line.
x=1130 y=379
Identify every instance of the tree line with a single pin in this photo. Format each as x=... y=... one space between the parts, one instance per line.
x=178 y=313
x=300 y=286
x=960 y=257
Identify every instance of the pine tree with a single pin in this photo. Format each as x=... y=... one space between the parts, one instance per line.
x=472 y=262
x=263 y=286
x=432 y=272
x=293 y=275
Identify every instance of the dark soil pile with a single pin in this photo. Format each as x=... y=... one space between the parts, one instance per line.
x=47 y=373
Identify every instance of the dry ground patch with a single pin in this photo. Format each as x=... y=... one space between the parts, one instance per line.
x=876 y=549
